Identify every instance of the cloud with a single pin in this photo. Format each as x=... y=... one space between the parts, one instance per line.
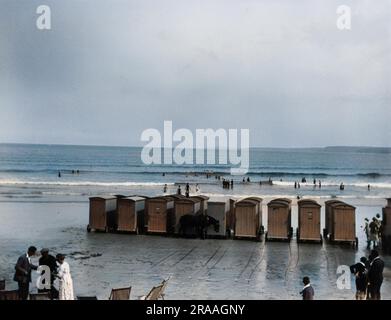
x=107 y=71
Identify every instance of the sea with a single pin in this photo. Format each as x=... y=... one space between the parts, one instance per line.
x=37 y=207
x=39 y=171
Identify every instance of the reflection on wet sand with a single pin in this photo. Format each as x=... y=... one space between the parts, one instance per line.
x=199 y=269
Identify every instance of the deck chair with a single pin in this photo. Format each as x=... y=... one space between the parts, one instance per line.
x=40 y=296
x=156 y=292
x=120 y=294
x=2 y=284
x=9 y=295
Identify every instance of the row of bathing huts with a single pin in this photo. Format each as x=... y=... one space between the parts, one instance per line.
x=241 y=219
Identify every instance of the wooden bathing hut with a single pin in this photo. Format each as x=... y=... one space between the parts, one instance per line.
x=184 y=206
x=279 y=224
x=161 y=218
x=342 y=223
x=219 y=210
x=102 y=215
x=328 y=221
x=309 y=221
x=386 y=227
x=248 y=218
x=130 y=215
x=203 y=203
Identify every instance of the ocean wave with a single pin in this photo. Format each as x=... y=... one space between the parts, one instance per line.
x=386 y=185
x=82 y=183
x=335 y=183
x=201 y=170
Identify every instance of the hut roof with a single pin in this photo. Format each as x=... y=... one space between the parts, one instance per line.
x=254 y=199
x=201 y=197
x=103 y=197
x=247 y=202
x=176 y=196
x=119 y=196
x=134 y=198
x=342 y=204
x=308 y=202
x=280 y=202
x=137 y=195
x=329 y=202
x=162 y=198
x=187 y=200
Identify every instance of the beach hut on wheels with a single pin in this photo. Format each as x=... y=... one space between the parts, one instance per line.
x=342 y=224
x=279 y=220
x=328 y=221
x=219 y=210
x=203 y=203
x=184 y=206
x=309 y=221
x=386 y=227
x=102 y=213
x=130 y=215
x=161 y=218
x=248 y=218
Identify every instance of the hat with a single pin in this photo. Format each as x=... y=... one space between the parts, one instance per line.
x=44 y=250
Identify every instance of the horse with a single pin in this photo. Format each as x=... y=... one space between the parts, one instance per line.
x=198 y=224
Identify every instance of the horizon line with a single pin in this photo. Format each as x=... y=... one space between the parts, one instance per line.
x=135 y=146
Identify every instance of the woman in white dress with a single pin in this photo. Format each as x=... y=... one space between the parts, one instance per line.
x=64 y=275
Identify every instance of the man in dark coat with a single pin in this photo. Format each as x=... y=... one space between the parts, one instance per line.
x=361 y=273
x=308 y=291
x=23 y=269
x=375 y=275
x=51 y=262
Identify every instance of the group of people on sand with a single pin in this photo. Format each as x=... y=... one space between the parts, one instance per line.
x=369 y=276
x=228 y=184
x=59 y=270
x=373 y=231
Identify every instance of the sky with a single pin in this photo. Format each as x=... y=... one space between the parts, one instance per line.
x=107 y=70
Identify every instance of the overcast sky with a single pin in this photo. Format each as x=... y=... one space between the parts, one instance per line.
x=110 y=69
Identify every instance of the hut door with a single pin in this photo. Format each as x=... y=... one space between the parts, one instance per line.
x=245 y=222
x=128 y=217
x=344 y=226
x=98 y=215
x=279 y=223
x=181 y=210
x=157 y=220
x=310 y=228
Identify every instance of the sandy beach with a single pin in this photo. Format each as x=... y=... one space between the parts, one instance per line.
x=199 y=269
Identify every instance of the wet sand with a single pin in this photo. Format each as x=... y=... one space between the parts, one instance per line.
x=199 y=269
